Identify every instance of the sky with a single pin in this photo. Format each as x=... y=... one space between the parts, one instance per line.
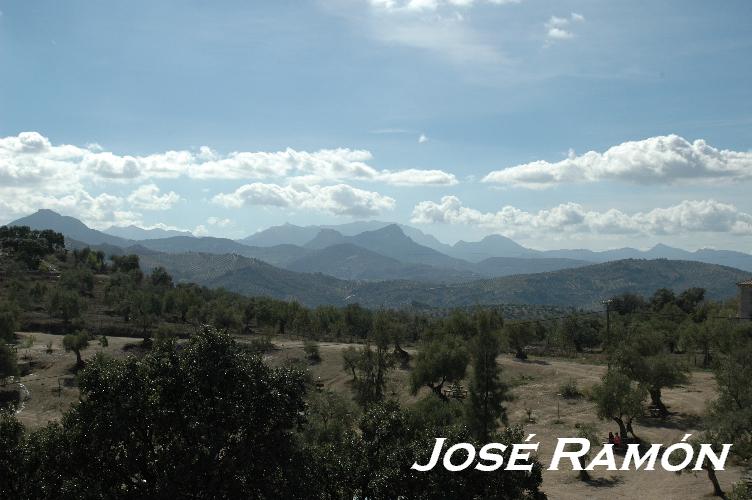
x=561 y=124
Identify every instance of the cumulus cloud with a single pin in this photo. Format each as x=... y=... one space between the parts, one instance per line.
x=31 y=158
x=657 y=160
x=558 y=28
x=148 y=197
x=339 y=199
x=414 y=177
x=689 y=216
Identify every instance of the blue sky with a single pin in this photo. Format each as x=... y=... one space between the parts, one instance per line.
x=313 y=112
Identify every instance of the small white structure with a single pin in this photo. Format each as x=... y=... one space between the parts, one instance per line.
x=745 y=299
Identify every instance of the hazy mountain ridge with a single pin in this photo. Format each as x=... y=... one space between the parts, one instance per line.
x=583 y=287
x=388 y=253
x=138 y=233
x=352 y=262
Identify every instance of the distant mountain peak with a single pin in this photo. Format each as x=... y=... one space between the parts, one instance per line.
x=70 y=227
x=325 y=238
x=391 y=230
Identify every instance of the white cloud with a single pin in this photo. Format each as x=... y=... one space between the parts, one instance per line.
x=422 y=139
x=147 y=197
x=413 y=177
x=339 y=199
x=30 y=158
x=219 y=222
x=657 y=160
x=702 y=216
x=557 y=28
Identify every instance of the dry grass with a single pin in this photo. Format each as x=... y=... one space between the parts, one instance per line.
x=536 y=385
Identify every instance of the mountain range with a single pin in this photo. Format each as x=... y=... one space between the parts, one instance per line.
x=378 y=264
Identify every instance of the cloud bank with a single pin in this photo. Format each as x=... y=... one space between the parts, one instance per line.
x=657 y=160
x=36 y=173
x=339 y=199
x=689 y=216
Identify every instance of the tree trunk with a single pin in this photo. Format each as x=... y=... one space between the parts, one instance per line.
x=717 y=490
x=622 y=427
x=655 y=398
x=584 y=475
x=631 y=430
x=438 y=390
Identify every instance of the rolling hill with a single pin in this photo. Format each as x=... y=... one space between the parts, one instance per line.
x=351 y=262
x=495 y=267
x=278 y=255
x=70 y=227
x=582 y=287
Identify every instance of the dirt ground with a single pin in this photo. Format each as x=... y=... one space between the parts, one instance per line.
x=536 y=383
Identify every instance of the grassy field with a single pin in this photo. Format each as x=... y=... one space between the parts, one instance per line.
x=536 y=387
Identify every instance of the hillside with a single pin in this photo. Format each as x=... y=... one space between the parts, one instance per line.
x=194 y=267
x=278 y=255
x=286 y=234
x=351 y=262
x=581 y=287
x=494 y=245
x=391 y=241
x=495 y=267
x=70 y=227
x=263 y=279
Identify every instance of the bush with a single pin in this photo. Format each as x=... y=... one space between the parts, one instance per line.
x=166 y=333
x=569 y=390
x=261 y=345
x=311 y=349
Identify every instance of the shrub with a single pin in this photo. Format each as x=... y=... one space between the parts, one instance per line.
x=570 y=390
x=311 y=349
x=261 y=345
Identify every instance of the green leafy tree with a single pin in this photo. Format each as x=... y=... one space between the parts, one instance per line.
x=643 y=359
x=66 y=305
x=8 y=366
x=206 y=421
x=146 y=308
x=730 y=414
x=160 y=278
x=372 y=368
x=312 y=351
x=378 y=460
x=441 y=360
x=9 y=315
x=350 y=359
x=11 y=441
x=79 y=280
x=76 y=342
x=29 y=246
x=487 y=392
x=619 y=399
x=581 y=332
x=519 y=336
